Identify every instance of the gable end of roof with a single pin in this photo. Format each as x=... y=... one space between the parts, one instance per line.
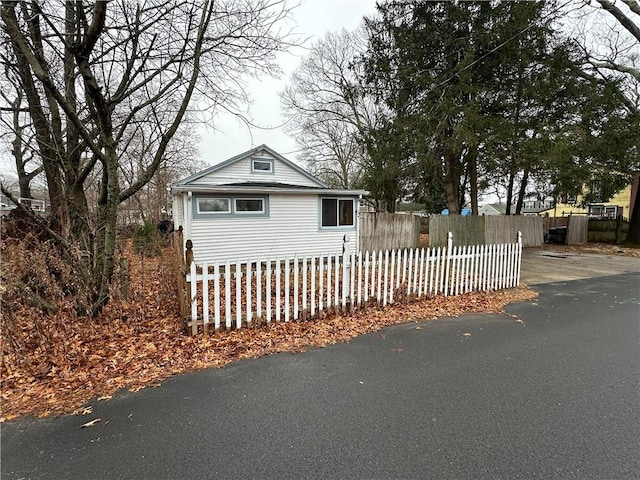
x=251 y=153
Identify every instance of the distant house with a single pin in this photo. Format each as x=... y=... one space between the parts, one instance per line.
x=5 y=205
x=37 y=205
x=258 y=204
x=492 y=209
x=529 y=207
x=621 y=204
x=537 y=207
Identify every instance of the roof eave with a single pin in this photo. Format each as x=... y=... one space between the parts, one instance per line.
x=175 y=189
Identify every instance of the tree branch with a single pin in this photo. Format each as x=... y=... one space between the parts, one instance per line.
x=619 y=15
x=633 y=6
x=634 y=72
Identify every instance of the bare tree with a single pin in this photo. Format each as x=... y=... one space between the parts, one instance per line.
x=95 y=73
x=327 y=114
x=609 y=35
x=15 y=128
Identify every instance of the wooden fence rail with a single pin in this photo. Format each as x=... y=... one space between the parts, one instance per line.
x=231 y=295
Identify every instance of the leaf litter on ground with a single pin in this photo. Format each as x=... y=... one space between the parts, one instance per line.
x=136 y=343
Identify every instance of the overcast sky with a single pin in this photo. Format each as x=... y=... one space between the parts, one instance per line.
x=312 y=18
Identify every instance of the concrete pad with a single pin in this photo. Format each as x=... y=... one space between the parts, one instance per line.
x=546 y=266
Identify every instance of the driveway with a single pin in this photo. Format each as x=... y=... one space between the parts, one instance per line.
x=544 y=265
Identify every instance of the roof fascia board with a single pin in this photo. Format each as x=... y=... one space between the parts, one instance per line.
x=175 y=189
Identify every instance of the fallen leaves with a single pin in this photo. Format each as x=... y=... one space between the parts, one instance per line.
x=83 y=411
x=94 y=358
x=594 y=247
x=90 y=424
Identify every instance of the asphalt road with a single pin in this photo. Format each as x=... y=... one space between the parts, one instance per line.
x=480 y=396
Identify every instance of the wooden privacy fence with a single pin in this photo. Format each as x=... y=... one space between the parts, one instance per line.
x=577 y=227
x=231 y=295
x=477 y=230
x=388 y=231
x=608 y=230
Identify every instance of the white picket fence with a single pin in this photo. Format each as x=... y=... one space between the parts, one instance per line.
x=233 y=294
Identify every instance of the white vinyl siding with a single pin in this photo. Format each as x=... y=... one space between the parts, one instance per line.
x=291 y=228
x=241 y=172
x=177 y=212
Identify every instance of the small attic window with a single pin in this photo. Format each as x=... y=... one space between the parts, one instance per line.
x=261 y=165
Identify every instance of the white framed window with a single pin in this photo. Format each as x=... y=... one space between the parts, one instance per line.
x=213 y=205
x=248 y=205
x=261 y=165
x=337 y=212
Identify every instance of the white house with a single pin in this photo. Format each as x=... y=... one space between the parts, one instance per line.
x=259 y=205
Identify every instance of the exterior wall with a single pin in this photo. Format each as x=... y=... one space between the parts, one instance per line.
x=177 y=211
x=241 y=172
x=292 y=228
x=622 y=198
x=487 y=210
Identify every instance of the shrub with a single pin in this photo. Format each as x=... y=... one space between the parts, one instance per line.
x=146 y=240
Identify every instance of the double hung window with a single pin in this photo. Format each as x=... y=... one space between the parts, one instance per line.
x=337 y=212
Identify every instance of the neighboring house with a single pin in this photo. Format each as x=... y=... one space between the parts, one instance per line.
x=6 y=205
x=259 y=205
x=38 y=206
x=537 y=207
x=492 y=209
x=620 y=204
x=529 y=207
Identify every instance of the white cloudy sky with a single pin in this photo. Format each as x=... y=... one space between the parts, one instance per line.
x=311 y=18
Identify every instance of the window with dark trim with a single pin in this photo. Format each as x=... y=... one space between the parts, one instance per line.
x=336 y=212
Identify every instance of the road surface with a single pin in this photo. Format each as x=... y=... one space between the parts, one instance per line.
x=553 y=394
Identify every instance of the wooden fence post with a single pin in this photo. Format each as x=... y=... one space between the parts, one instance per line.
x=177 y=240
x=188 y=260
x=618 y=229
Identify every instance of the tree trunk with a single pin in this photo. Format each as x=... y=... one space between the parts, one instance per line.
x=452 y=180
x=633 y=235
x=105 y=244
x=473 y=180
x=522 y=192
x=512 y=177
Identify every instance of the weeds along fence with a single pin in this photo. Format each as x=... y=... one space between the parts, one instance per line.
x=232 y=295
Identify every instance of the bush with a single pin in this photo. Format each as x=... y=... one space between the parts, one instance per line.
x=146 y=240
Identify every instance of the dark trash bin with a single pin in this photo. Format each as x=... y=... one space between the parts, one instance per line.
x=556 y=235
